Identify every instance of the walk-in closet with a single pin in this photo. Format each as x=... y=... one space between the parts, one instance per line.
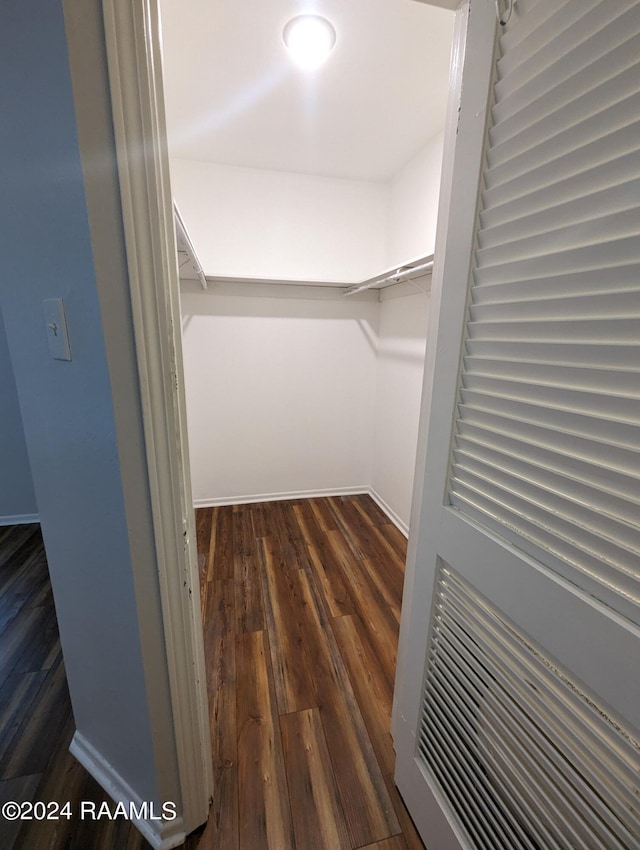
x=309 y=201
x=305 y=206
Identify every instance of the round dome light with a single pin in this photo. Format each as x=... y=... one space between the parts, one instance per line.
x=309 y=39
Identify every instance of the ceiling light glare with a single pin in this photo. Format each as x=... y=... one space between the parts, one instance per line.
x=309 y=39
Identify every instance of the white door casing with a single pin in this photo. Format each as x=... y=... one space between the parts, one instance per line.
x=489 y=616
x=132 y=31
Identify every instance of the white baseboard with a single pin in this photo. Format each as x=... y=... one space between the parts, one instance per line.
x=279 y=497
x=306 y=494
x=162 y=835
x=393 y=516
x=19 y=519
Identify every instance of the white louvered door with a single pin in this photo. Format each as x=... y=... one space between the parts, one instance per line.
x=517 y=707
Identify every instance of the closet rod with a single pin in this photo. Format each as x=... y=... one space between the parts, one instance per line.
x=403 y=273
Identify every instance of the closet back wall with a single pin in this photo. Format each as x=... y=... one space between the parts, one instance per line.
x=250 y=222
x=286 y=393
x=280 y=391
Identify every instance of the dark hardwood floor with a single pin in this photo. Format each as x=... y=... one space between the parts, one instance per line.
x=36 y=723
x=301 y=606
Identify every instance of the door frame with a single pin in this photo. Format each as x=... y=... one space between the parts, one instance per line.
x=133 y=41
x=472 y=61
x=133 y=48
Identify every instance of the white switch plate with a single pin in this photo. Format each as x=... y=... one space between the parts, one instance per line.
x=56 y=326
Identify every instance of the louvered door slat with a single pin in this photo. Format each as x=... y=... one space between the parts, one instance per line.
x=543 y=760
x=619 y=459
x=551 y=367
x=581 y=331
x=599 y=355
x=556 y=418
x=595 y=255
x=594 y=525
x=589 y=306
x=573 y=284
x=601 y=82
x=454 y=658
x=535 y=30
x=507 y=205
x=620 y=382
x=516 y=39
x=578 y=163
x=546 y=395
x=598 y=473
x=581 y=210
x=567 y=138
x=567 y=726
x=567 y=50
x=609 y=227
x=528 y=743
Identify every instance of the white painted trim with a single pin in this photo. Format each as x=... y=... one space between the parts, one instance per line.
x=279 y=497
x=307 y=494
x=400 y=524
x=19 y=519
x=162 y=835
x=132 y=32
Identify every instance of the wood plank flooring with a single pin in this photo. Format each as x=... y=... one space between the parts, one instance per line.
x=301 y=606
x=36 y=723
x=301 y=609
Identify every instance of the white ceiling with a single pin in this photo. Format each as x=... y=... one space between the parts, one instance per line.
x=234 y=97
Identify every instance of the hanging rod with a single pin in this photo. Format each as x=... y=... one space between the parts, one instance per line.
x=400 y=275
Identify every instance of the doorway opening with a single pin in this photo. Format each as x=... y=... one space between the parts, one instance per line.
x=303 y=400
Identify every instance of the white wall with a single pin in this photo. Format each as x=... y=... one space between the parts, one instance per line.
x=280 y=392
x=274 y=225
x=412 y=205
x=82 y=419
x=246 y=222
x=404 y=313
x=298 y=390
x=17 y=497
x=288 y=395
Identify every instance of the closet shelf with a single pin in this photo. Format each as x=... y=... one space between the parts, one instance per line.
x=417 y=268
x=398 y=274
x=189 y=267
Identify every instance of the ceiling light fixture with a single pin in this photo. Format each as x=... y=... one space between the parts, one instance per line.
x=309 y=39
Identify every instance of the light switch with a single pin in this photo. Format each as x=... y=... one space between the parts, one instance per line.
x=56 y=325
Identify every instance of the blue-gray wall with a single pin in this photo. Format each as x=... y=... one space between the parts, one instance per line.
x=67 y=408
x=17 y=497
